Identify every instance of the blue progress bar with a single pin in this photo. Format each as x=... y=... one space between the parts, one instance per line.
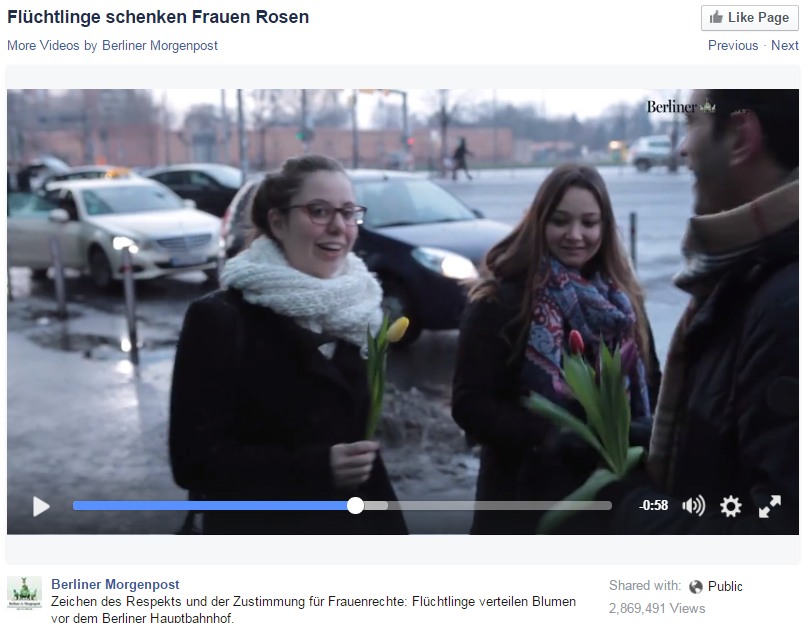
x=119 y=505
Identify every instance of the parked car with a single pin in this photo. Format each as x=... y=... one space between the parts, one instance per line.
x=419 y=239
x=211 y=186
x=90 y=172
x=399 y=161
x=650 y=151
x=94 y=220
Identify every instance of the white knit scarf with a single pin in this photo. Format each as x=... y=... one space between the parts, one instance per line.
x=342 y=307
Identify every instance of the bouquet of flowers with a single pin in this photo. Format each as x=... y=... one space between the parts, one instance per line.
x=376 y=364
x=602 y=392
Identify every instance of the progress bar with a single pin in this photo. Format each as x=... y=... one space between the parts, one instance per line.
x=185 y=505
x=355 y=505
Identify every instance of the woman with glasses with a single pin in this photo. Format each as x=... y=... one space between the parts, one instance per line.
x=270 y=395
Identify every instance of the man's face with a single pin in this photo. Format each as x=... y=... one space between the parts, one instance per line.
x=708 y=158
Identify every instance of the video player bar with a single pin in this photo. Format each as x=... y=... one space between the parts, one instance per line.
x=354 y=505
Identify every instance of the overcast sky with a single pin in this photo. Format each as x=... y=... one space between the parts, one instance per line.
x=557 y=102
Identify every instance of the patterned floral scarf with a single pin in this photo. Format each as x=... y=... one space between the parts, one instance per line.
x=594 y=308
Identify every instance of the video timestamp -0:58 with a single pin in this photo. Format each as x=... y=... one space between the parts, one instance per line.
x=654 y=505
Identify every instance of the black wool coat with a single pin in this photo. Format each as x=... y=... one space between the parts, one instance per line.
x=255 y=408
x=739 y=437
x=486 y=404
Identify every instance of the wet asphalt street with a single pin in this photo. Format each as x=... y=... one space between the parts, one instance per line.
x=82 y=426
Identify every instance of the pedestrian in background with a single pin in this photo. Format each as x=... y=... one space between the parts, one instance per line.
x=460 y=159
x=270 y=396
x=563 y=268
x=727 y=422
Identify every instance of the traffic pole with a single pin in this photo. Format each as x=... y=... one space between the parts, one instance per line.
x=633 y=237
x=356 y=154
x=58 y=267
x=242 y=140
x=8 y=275
x=131 y=307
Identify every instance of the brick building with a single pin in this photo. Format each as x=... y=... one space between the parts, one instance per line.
x=123 y=127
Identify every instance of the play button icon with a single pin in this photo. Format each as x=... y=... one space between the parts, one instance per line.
x=40 y=507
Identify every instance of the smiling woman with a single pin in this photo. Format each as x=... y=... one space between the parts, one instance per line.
x=271 y=396
x=561 y=270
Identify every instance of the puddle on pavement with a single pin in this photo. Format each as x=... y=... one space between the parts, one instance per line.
x=47 y=316
x=96 y=346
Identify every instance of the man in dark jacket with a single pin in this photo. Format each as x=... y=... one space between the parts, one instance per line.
x=726 y=428
x=460 y=159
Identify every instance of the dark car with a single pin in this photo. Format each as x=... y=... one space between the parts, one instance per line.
x=211 y=186
x=419 y=239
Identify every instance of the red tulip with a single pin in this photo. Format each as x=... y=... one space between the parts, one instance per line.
x=576 y=343
x=628 y=358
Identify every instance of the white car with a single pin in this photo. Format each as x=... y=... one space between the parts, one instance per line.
x=650 y=151
x=94 y=220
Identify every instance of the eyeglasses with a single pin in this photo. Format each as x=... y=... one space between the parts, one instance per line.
x=323 y=214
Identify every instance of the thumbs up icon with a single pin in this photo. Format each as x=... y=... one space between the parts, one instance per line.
x=715 y=18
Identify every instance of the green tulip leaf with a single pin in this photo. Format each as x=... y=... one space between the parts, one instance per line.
x=585 y=390
x=587 y=492
x=633 y=457
x=564 y=419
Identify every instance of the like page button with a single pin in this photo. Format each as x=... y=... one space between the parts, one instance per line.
x=758 y=17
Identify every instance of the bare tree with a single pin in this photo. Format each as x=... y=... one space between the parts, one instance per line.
x=680 y=97
x=328 y=110
x=387 y=116
x=448 y=105
x=283 y=107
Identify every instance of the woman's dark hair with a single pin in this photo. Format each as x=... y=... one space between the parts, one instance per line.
x=521 y=256
x=777 y=111
x=279 y=187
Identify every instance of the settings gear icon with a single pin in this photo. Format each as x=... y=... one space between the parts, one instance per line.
x=736 y=506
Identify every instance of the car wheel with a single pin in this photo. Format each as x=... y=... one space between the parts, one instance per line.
x=39 y=274
x=397 y=303
x=100 y=270
x=643 y=165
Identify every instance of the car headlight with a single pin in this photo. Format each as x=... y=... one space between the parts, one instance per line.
x=121 y=242
x=445 y=263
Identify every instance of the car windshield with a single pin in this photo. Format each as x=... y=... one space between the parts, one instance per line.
x=226 y=176
x=81 y=175
x=130 y=199
x=408 y=202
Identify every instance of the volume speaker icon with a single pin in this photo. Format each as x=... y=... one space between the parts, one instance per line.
x=695 y=506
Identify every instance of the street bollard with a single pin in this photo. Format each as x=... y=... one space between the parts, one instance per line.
x=633 y=237
x=8 y=268
x=131 y=307
x=58 y=268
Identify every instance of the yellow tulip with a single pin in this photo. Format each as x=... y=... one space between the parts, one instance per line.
x=397 y=330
